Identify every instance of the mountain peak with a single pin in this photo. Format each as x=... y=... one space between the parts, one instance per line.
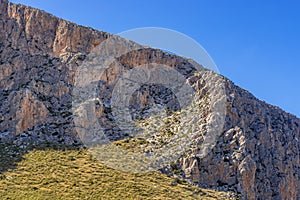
x=43 y=33
x=256 y=152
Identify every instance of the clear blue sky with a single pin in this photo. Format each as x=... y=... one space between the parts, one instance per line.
x=254 y=43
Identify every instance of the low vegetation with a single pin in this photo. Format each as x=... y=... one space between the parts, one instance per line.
x=52 y=172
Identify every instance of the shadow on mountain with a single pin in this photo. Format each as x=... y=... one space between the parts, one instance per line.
x=11 y=154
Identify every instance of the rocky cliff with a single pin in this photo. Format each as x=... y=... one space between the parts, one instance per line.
x=256 y=152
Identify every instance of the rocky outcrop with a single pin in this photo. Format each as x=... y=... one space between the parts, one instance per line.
x=246 y=177
x=39 y=33
x=31 y=111
x=257 y=153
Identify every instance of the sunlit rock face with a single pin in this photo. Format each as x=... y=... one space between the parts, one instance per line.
x=256 y=154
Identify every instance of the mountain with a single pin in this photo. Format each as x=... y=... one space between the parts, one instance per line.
x=236 y=142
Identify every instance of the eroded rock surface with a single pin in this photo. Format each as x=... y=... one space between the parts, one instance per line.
x=257 y=153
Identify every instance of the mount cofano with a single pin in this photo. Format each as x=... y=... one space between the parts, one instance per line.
x=256 y=154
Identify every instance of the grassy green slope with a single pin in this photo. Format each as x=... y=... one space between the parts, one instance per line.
x=56 y=173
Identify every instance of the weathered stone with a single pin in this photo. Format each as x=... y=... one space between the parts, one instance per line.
x=246 y=177
x=30 y=113
x=257 y=153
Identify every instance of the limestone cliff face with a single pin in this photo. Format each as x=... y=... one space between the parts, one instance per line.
x=257 y=153
x=39 y=33
x=259 y=149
